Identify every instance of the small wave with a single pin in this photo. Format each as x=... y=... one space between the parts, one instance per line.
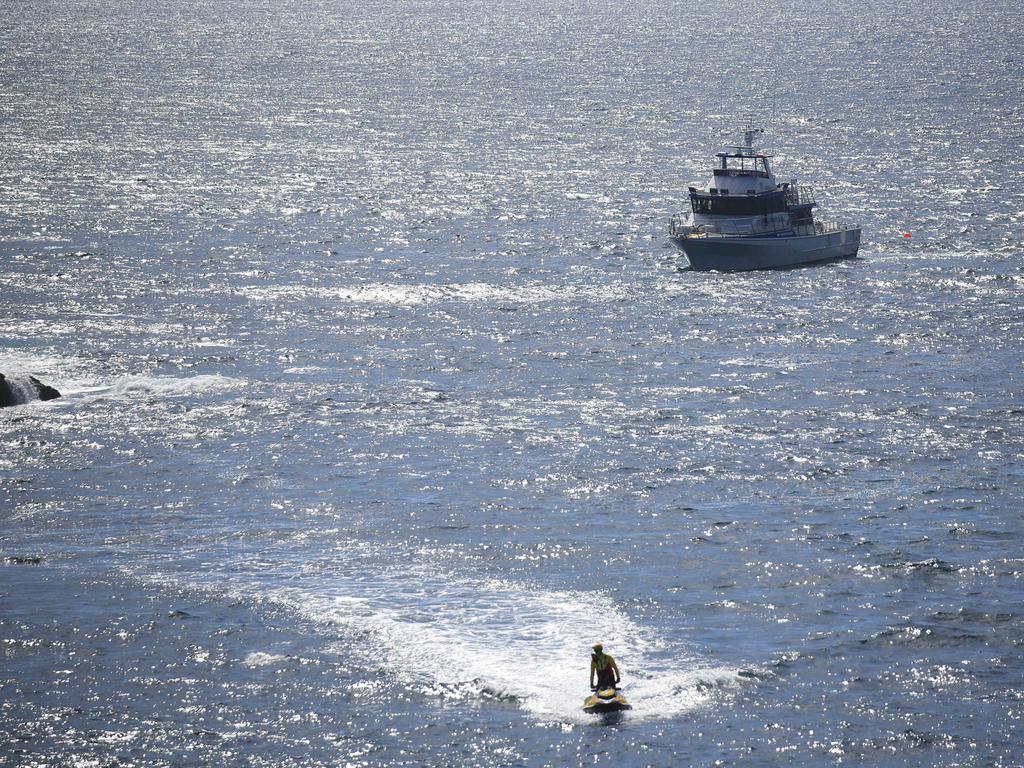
x=264 y=659
x=859 y=749
x=923 y=636
x=931 y=564
x=982 y=533
x=998 y=568
x=969 y=616
x=159 y=386
x=916 y=738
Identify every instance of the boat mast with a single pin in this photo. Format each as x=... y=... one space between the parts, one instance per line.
x=748 y=138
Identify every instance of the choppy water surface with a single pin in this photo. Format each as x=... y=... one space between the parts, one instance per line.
x=385 y=396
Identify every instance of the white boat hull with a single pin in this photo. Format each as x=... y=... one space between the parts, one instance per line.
x=730 y=254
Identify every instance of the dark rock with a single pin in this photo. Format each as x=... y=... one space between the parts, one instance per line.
x=21 y=390
x=46 y=392
x=23 y=560
x=6 y=396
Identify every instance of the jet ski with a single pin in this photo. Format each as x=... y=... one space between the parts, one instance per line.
x=605 y=700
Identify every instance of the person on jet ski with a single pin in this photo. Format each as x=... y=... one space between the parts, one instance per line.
x=604 y=665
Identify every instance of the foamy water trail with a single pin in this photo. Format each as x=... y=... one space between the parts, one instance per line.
x=455 y=638
x=163 y=386
x=73 y=377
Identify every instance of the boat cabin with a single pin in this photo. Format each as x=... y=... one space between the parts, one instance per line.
x=741 y=172
x=722 y=203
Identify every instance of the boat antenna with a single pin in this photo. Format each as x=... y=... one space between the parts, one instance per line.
x=773 y=128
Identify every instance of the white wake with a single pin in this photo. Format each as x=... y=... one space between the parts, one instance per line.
x=457 y=638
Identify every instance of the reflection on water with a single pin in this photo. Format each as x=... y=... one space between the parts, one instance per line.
x=385 y=397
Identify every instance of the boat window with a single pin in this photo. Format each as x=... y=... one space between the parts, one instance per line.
x=752 y=205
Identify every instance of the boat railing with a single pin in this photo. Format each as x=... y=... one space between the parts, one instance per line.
x=680 y=224
x=824 y=227
x=734 y=227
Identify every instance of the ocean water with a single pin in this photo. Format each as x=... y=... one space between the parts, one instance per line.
x=385 y=395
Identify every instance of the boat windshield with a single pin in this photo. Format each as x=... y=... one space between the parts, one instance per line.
x=743 y=164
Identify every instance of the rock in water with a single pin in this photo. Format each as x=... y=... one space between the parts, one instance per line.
x=21 y=390
x=6 y=396
x=45 y=391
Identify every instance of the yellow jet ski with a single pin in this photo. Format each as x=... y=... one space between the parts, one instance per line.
x=605 y=700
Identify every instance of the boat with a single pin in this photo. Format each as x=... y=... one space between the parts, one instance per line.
x=605 y=700
x=746 y=220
